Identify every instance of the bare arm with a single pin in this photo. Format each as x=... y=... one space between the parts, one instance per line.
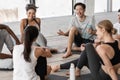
x=39 y=22
x=101 y=50
x=42 y=52
x=4 y=56
x=10 y=32
x=22 y=26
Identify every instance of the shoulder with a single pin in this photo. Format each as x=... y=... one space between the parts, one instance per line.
x=38 y=19
x=73 y=19
x=103 y=49
x=100 y=47
x=23 y=21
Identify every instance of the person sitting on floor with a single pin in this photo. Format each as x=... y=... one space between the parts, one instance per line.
x=32 y=20
x=41 y=41
x=102 y=58
x=5 y=37
x=26 y=55
x=82 y=29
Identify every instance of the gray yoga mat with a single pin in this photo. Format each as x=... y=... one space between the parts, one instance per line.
x=83 y=77
x=56 y=77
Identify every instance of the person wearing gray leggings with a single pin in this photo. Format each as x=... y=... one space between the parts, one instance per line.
x=5 y=38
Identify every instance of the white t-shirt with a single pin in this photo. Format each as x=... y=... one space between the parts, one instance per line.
x=88 y=23
x=117 y=26
x=23 y=70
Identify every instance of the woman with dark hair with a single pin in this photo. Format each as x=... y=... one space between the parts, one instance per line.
x=27 y=55
x=34 y=21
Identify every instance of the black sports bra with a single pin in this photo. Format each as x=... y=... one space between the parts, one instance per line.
x=116 y=58
x=35 y=21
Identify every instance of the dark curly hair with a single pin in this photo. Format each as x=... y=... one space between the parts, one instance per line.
x=30 y=6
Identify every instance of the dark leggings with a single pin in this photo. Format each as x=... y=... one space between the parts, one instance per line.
x=80 y=62
x=90 y=59
x=76 y=62
x=41 y=67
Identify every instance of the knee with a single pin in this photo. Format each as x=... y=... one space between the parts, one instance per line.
x=73 y=29
x=5 y=33
x=89 y=47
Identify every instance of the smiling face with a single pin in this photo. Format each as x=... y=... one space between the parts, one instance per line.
x=79 y=11
x=99 y=32
x=31 y=14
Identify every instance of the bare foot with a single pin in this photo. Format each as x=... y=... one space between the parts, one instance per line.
x=74 y=48
x=67 y=54
x=55 y=68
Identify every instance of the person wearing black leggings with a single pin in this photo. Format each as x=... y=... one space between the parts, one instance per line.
x=41 y=67
x=102 y=59
x=90 y=58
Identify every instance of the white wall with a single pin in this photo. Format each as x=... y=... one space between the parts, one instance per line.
x=50 y=26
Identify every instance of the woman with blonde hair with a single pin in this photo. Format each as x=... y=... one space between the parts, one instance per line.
x=103 y=57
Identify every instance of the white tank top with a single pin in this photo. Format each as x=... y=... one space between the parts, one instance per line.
x=23 y=70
